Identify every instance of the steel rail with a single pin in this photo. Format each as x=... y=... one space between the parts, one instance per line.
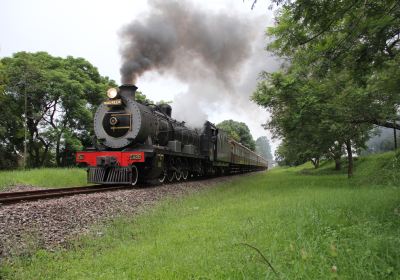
x=15 y=197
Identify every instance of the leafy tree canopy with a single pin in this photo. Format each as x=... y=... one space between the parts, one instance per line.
x=142 y=98
x=263 y=148
x=340 y=75
x=61 y=95
x=238 y=131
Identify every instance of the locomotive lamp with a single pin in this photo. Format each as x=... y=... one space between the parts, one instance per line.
x=112 y=93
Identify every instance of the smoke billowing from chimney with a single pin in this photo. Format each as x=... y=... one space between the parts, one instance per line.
x=178 y=37
x=218 y=55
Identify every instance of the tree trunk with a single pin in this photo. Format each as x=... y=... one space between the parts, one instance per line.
x=58 y=145
x=338 y=164
x=44 y=156
x=58 y=159
x=36 y=153
x=45 y=152
x=31 y=143
x=349 y=159
x=315 y=162
x=336 y=154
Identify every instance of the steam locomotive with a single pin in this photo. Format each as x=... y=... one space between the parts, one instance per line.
x=141 y=142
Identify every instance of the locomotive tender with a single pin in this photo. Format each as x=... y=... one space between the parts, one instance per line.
x=142 y=142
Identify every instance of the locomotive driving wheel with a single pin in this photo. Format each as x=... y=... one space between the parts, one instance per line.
x=185 y=169
x=162 y=177
x=178 y=174
x=185 y=174
x=135 y=175
x=171 y=176
x=178 y=169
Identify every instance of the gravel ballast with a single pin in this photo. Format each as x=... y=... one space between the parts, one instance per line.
x=53 y=222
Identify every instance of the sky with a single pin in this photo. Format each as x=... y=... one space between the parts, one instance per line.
x=90 y=29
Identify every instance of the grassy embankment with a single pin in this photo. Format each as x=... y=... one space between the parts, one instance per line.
x=310 y=224
x=44 y=177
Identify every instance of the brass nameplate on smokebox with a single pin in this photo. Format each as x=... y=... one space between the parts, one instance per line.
x=113 y=102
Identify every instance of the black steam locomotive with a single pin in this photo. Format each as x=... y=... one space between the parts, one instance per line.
x=142 y=142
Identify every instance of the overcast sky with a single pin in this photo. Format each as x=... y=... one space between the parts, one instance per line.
x=89 y=29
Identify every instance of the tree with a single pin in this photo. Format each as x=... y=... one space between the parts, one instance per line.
x=359 y=39
x=2 y=78
x=263 y=148
x=142 y=98
x=288 y=154
x=310 y=113
x=339 y=79
x=62 y=95
x=238 y=131
x=11 y=134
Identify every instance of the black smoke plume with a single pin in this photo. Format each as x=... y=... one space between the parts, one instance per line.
x=188 y=42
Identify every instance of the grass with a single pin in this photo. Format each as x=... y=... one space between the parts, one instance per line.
x=309 y=224
x=44 y=177
x=377 y=169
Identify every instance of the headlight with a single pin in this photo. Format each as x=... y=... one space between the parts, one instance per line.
x=112 y=93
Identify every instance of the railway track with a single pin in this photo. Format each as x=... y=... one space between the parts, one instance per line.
x=15 y=197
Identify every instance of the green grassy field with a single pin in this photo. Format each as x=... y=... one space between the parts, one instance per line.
x=309 y=224
x=44 y=177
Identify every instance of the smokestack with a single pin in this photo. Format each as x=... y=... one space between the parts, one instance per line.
x=166 y=109
x=128 y=90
